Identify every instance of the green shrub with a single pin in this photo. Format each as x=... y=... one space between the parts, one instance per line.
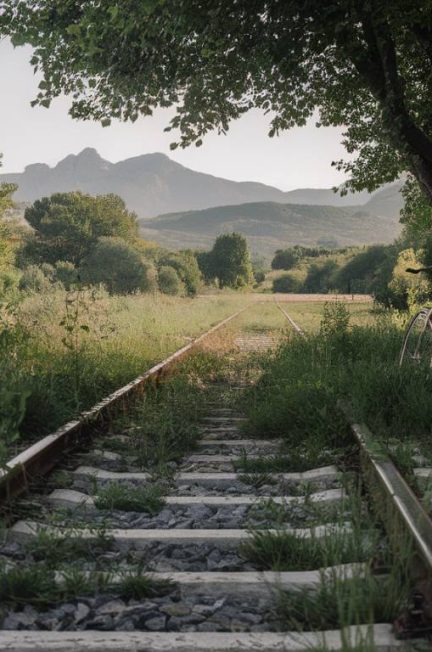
x=119 y=267
x=286 y=283
x=169 y=281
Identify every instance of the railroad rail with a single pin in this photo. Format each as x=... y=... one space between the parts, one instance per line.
x=219 y=599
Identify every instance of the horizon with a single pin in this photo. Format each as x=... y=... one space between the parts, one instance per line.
x=52 y=166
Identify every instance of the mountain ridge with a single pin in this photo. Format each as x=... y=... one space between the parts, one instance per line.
x=153 y=184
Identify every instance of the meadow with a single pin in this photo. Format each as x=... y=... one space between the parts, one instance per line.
x=61 y=352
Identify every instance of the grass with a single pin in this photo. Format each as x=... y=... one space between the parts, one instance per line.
x=64 y=352
x=308 y=315
x=297 y=460
x=135 y=586
x=337 y=603
x=283 y=551
x=131 y=499
x=54 y=550
x=39 y=586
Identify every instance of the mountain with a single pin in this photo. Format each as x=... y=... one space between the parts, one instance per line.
x=269 y=226
x=153 y=184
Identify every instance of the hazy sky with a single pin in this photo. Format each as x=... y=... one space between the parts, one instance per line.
x=298 y=158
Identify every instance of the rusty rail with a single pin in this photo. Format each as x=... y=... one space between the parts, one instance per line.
x=44 y=455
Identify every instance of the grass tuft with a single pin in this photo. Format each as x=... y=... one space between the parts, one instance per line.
x=131 y=499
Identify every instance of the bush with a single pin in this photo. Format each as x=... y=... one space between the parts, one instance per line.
x=284 y=259
x=321 y=278
x=188 y=271
x=66 y=273
x=169 y=281
x=259 y=277
x=120 y=268
x=286 y=283
x=36 y=279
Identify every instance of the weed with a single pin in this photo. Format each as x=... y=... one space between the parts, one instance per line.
x=284 y=551
x=54 y=550
x=257 y=480
x=339 y=602
x=130 y=499
x=138 y=587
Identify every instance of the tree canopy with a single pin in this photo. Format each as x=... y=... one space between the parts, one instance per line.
x=361 y=64
x=68 y=225
x=230 y=261
x=117 y=265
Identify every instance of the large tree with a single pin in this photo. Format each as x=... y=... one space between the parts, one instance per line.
x=363 y=64
x=69 y=224
x=231 y=261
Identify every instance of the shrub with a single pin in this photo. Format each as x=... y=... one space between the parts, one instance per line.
x=118 y=265
x=188 y=271
x=284 y=259
x=286 y=283
x=34 y=279
x=66 y=273
x=169 y=281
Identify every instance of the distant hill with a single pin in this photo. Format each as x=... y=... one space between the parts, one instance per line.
x=269 y=226
x=153 y=184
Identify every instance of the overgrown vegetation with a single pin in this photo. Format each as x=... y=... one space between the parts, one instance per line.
x=62 y=352
x=130 y=499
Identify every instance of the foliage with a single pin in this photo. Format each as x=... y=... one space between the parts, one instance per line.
x=186 y=266
x=66 y=273
x=169 y=281
x=335 y=319
x=13 y=383
x=119 y=267
x=321 y=278
x=231 y=262
x=68 y=225
x=286 y=283
x=130 y=499
x=33 y=279
x=363 y=66
x=359 y=272
x=51 y=367
x=284 y=259
x=407 y=289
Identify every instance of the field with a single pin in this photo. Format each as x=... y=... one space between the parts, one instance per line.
x=63 y=352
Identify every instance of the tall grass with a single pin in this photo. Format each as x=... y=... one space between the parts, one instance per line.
x=62 y=352
x=296 y=397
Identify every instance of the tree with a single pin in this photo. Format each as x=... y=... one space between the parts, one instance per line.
x=117 y=265
x=321 y=278
x=362 y=267
x=186 y=266
x=231 y=261
x=286 y=283
x=284 y=259
x=360 y=64
x=68 y=225
x=169 y=281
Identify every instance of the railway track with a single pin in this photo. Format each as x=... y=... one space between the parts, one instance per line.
x=223 y=557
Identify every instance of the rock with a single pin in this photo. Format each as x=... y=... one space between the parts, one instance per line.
x=101 y=623
x=254 y=619
x=178 y=610
x=18 y=620
x=156 y=624
x=81 y=612
x=112 y=607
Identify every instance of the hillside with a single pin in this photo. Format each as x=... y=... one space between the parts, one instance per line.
x=153 y=184
x=269 y=226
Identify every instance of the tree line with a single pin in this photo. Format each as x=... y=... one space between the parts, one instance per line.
x=75 y=238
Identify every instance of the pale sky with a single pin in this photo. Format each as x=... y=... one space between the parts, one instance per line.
x=298 y=158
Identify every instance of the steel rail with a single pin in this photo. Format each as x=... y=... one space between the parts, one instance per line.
x=42 y=456
x=380 y=472
x=295 y=326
